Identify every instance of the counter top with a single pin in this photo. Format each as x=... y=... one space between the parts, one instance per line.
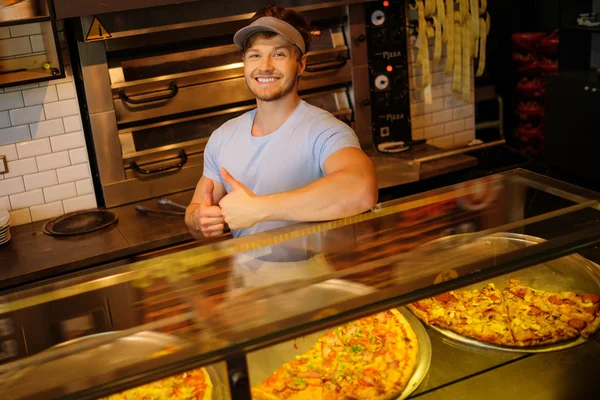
x=32 y=256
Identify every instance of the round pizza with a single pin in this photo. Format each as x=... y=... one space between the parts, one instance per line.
x=191 y=385
x=516 y=316
x=370 y=358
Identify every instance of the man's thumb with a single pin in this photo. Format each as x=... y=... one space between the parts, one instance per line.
x=229 y=179
x=209 y=187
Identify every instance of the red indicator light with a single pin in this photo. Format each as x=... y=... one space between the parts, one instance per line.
x=389 y=68
x=386 y=3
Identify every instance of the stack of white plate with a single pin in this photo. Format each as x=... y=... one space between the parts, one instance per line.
x=4 y=226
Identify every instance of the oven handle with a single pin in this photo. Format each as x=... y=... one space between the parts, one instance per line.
x=340 y=62
x=174 y=89
x=183 y=158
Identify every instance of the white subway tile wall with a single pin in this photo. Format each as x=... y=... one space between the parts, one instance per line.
x=448 y=122
x=67 y=141
x=34 y=148
x=80 y=203
x=39 y=95
x=60 y=192
x=47 y=128
x=46 y=211
x=84 y=187
x=40 y=180
x=27 y=115
x=4 y=119
x=42 y=138
x=20 y=217
x=21 y=167
x=27 y=199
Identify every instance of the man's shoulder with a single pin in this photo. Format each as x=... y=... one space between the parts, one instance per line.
x=319 y=119
x=236 y=124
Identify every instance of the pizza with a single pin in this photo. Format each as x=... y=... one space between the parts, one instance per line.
x=516 y=316
x=370 y=358
x=191 y=385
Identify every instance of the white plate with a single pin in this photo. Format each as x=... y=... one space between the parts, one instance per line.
x=2 y=241
x=4 y=217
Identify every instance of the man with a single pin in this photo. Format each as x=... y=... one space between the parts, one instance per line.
x=286 y=161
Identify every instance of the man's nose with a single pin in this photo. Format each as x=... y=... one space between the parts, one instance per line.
x=266 y=64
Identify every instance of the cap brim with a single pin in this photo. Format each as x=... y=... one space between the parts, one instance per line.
x=243 y=34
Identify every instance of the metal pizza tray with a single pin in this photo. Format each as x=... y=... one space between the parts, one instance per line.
x=79 y=369
x=570 y=273
x=263 y=362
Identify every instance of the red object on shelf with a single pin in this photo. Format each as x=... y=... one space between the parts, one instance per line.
x=527 y=41
x=535 y=55
x=549 y=44
x=531 y=88
x=549 y=66
x=530 y=130
x=530 y=108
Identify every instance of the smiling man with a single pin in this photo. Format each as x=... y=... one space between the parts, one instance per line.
x=286 y=161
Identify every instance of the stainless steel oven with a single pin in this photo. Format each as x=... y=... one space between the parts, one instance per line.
x=157 y=82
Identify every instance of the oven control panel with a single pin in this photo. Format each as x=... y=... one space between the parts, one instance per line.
x=387 y=48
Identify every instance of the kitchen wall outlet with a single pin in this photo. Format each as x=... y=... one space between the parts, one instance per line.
x=3 y=165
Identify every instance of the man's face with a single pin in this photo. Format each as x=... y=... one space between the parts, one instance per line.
x=271 y=67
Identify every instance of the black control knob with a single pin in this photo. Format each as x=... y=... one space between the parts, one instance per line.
x=361 y=38
x=366 y=102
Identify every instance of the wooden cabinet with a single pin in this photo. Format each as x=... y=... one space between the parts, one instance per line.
x=29 y=46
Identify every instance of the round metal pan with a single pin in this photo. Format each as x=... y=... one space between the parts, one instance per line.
x=263 y=362
x=83 y=367
x=572 y=273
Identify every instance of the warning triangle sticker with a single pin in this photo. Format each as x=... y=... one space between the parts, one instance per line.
x=97 y=31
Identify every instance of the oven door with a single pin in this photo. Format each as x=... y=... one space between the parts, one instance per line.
x=151 y=86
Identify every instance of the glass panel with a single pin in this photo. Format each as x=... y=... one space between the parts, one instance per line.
x=248 y=293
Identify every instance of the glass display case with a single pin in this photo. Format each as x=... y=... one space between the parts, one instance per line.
x=29 y=46
x=244 y=307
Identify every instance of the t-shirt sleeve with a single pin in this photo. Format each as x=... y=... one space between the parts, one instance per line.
x=211 y=163
x=332 y=135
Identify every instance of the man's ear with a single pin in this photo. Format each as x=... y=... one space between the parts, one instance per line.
x=302 y=64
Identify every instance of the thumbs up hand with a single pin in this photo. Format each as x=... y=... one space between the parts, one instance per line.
x=240 y=206
x=208 y=218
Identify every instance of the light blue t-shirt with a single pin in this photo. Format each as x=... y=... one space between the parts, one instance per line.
x=287 y=159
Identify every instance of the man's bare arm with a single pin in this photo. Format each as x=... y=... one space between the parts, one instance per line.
x=349 y=188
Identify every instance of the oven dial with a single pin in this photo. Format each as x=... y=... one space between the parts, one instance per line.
x=377 y=18
x=382 y=82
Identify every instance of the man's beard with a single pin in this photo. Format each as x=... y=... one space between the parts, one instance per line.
x=282 y=91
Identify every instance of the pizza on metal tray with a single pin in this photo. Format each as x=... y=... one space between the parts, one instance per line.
x=517 y=316
x=370 y=358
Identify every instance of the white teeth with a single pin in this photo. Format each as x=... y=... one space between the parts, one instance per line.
x=266 y=80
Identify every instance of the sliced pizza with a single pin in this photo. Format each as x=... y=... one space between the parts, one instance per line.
x=371 y=358
x=519 y=316
x=479 y=314
x=194 y=384
x=573 y=312
x=532 y=321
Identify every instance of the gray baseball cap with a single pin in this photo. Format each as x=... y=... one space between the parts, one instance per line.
x=270 y=24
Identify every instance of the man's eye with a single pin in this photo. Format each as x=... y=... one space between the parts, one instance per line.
x=279 y=55
x=253 y=56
